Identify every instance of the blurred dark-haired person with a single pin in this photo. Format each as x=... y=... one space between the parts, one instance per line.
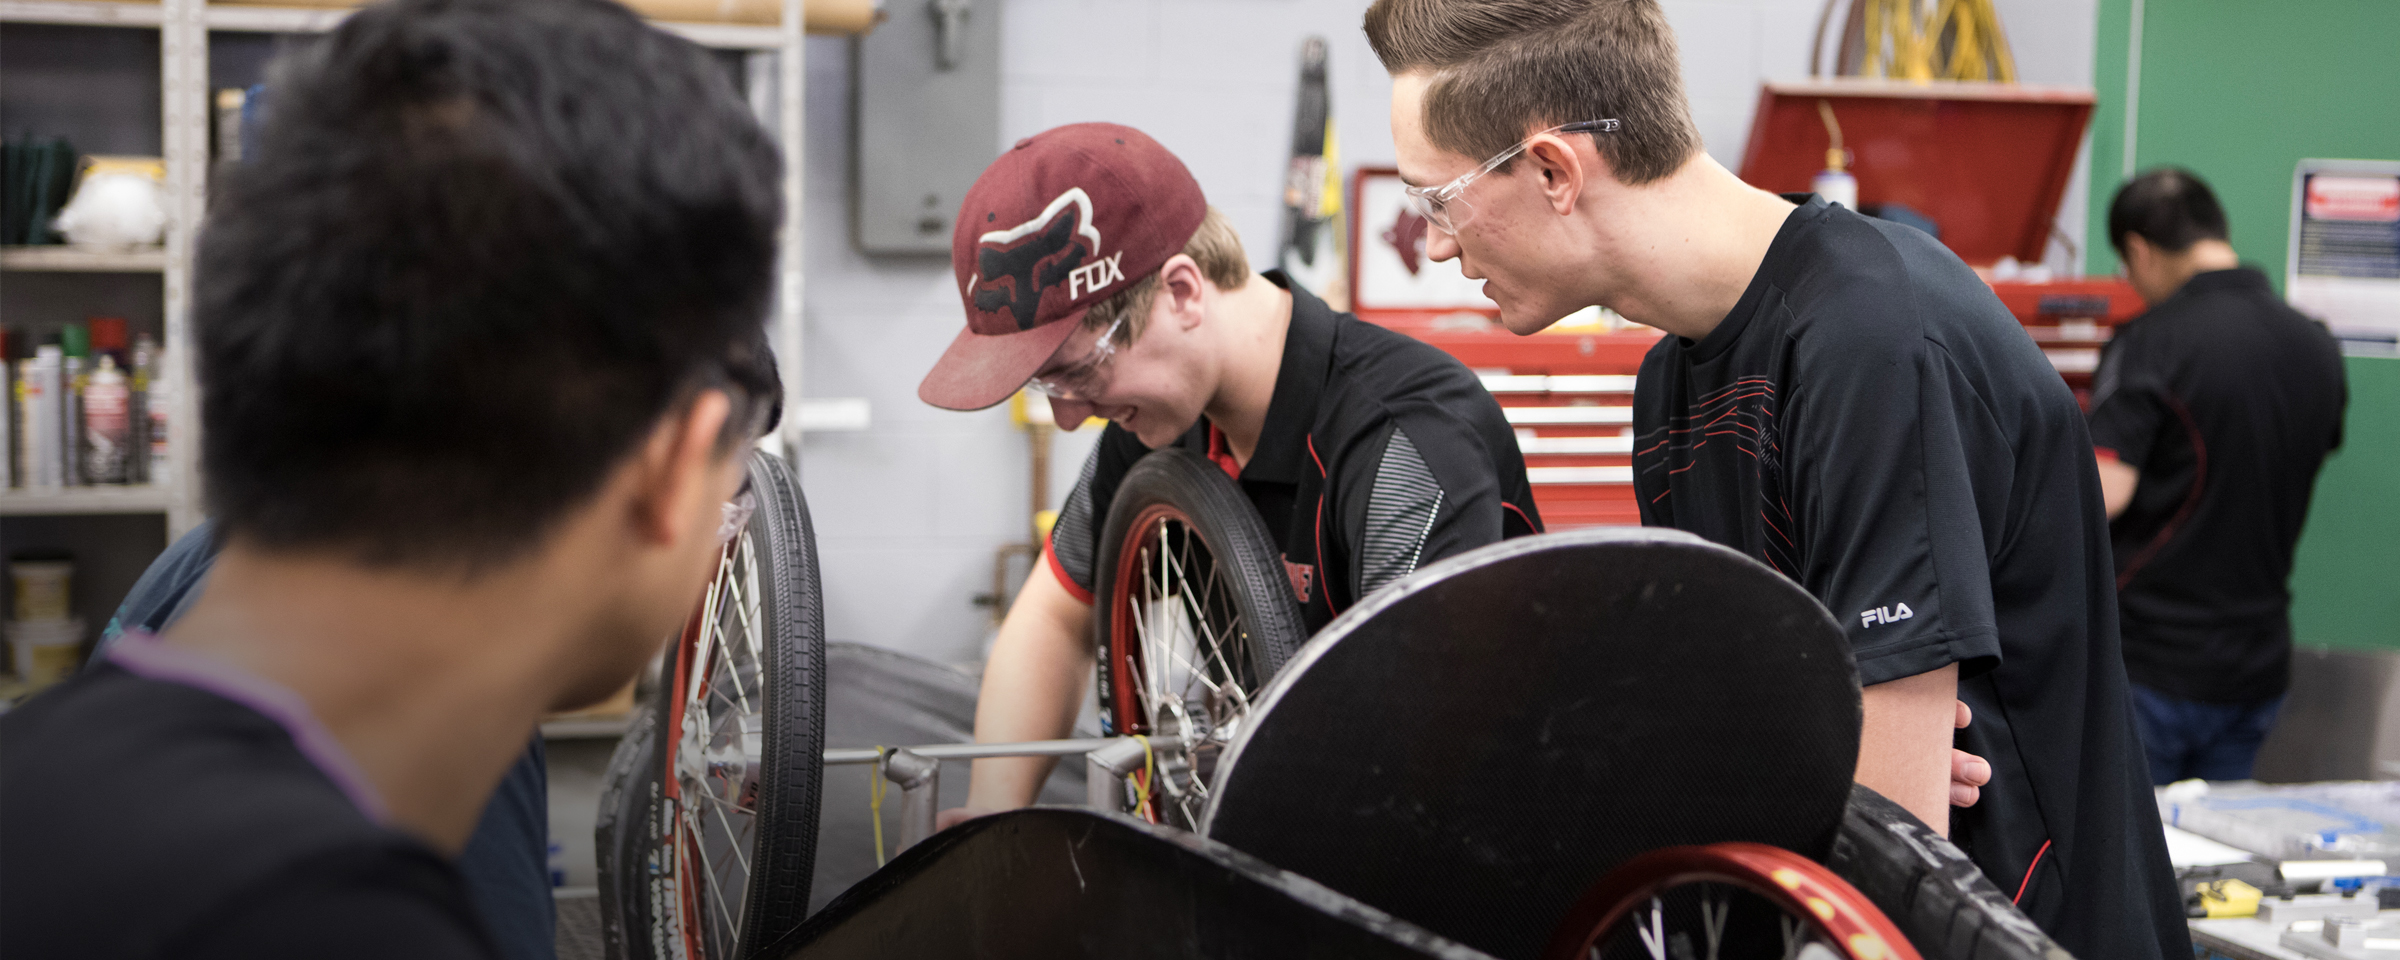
x=1838 y=397
x=474 y=333
x=2211 y=413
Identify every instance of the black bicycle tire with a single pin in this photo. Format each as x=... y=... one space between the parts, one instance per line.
x=792 y=768
x=1235 y=536
x=623 y=832
x=1929 y=888
x=791 y=771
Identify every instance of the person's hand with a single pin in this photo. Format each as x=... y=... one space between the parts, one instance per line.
x=1968 y=772
x=958 y=815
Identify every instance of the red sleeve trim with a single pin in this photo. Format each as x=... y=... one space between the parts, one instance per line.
x=2028 y=881
x=2107 y=454
x=1050 y=556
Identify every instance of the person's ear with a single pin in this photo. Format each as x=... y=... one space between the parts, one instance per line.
x=678 y=473
x=1180 y=287
x=1564 y=170
x=2138 y=252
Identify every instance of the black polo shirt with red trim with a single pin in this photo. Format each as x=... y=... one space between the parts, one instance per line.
x=1870 y=421
x=1380 y=454
x=2227 y=401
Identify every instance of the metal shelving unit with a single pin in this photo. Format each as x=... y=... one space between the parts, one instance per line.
x=184 y=27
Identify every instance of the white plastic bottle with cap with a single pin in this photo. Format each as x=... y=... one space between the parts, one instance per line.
x=1835 y=183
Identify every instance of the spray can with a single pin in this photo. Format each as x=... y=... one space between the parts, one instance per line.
x=107 y=424
x=155 y=411
x=137 y=449
x=76 y=342
x=45 y=424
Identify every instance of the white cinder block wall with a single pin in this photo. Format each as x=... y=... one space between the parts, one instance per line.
x=910 y=513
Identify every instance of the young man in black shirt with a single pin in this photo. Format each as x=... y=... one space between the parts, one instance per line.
x=474 y=333
x=1838 y=397
x=1093 y=271
x=2210 y=415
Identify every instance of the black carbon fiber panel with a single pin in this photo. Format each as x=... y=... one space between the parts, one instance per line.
x=1474 y=747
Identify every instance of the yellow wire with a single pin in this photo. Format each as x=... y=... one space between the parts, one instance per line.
x=875 y=802
x=1141 y=795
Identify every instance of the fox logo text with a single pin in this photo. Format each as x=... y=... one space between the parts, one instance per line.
x=1015 y=267
x=1891 y=614
x=1092 y=276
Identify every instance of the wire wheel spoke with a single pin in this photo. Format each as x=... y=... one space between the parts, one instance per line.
x=1193 y=662
x=717 y=761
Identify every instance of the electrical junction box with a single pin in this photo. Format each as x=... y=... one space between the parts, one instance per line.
x=925 y=89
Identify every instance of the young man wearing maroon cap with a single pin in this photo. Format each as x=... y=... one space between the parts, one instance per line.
x=1093 y=270
x=1838 y=397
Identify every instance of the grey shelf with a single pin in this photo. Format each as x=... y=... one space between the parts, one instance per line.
x=72 y=259
x=83 y=501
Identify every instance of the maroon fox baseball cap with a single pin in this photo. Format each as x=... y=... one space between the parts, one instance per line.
x=1064 y=220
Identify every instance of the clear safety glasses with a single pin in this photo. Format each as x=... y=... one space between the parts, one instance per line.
x=1446 y=206
x=1085 y=378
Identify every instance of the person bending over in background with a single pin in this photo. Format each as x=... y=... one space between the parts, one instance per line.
x=2211 y=413
x=1094 y=271
x=1837 y=397
x=468 y=334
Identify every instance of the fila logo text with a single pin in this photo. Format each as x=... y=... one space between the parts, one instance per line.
x=1092 y=276
x=1891 y=614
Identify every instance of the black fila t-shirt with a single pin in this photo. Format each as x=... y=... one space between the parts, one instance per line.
x=1871 y=422
x=1380 y=454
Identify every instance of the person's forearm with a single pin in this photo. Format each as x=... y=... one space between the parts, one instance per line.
x=1032 y=687
x=1904 y=744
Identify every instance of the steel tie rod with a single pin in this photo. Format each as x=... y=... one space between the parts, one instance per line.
x=918 y=770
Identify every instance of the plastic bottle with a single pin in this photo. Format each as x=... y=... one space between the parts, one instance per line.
x=107 y=424
x=1836 y=184
x=137 y=451
x=161 y=398
x=44 y=423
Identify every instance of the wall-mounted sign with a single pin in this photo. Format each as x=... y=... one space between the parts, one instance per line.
x=2344 y=263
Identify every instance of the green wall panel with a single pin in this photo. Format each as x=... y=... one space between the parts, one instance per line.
x=2239 y=91
x=2346 y=583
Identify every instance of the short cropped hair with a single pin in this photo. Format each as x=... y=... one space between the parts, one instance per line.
x=483 y=248
x=1215 y=248
x=1502 y=68
x=2170 y=207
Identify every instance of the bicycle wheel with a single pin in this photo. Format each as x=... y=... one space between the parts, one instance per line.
x=1700 y=902
x=622 y=837
x=1928 y=886
x=727 y=830
x=1198 y=617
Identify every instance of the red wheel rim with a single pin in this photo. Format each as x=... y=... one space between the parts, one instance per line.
x=1797 y=884
x=685 y=846
x=1124 y=652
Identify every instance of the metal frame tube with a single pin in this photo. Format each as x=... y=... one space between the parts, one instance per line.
x=920 y=780
x=985 y=751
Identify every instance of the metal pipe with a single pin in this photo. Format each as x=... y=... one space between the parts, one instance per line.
x=985 y=751
x=1105 y=770
x=920 y=780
